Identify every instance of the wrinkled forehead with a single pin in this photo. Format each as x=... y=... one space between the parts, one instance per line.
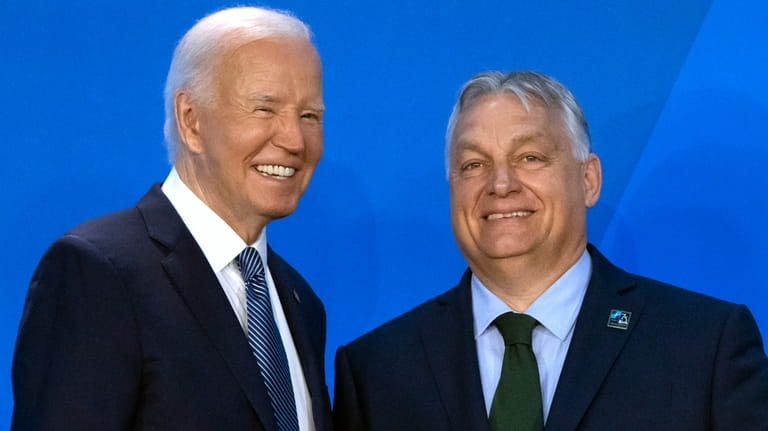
x=278 y=59
x=229 y=47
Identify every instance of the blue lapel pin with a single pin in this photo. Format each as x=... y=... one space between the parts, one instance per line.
x=619 y=319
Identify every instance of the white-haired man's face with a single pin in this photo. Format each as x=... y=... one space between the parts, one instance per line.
x=255 y=147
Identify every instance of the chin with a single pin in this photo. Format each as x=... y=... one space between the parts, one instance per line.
x=275 y=213
x=504 y=252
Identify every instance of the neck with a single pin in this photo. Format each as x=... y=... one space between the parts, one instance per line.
x=247 y=228
x=519 y=281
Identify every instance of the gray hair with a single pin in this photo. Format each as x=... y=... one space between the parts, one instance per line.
x=198 y=53
x=525 y=85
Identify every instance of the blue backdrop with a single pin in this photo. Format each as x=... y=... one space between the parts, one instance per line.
x=675 y=93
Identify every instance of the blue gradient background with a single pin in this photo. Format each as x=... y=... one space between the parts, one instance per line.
x=675 y=92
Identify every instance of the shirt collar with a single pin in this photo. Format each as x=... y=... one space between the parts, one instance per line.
x=556 y=309
x=218 y=241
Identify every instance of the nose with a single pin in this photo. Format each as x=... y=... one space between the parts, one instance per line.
x=503 y=181
x=289 y=135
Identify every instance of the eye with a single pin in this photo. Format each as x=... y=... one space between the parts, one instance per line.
x=531 y=158
x=263 y=110
x=311 y=116
x=468 y=166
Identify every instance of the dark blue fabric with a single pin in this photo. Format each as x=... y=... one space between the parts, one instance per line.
x=127 y=328
x=685 y=362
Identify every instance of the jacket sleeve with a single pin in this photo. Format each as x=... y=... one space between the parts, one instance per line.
x=740 y=379
x=77 y=364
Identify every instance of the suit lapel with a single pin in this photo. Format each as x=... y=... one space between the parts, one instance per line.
x=292 y=290
x=196 y=283
x=449 y=344
x=594 y=346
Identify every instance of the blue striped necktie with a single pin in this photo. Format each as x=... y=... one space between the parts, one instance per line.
x=265 y=341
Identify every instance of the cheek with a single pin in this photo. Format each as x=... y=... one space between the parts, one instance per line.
x=315 y=150
x=457 y=203
x=313 y=142
x=463 y=214
x=466 y=192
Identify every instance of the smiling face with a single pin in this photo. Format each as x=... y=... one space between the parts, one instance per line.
x=250 y=152
x=518 y=194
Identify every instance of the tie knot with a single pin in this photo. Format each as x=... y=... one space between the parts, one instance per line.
x=250 y=264
x=516 y=328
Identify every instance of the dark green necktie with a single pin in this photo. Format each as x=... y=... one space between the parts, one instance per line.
x=517 y=403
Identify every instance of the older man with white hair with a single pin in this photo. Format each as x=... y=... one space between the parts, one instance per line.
x=175 y=314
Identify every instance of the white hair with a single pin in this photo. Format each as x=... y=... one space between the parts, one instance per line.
x=525 y=85
x=198 y=53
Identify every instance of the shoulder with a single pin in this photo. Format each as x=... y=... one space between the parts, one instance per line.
x=91 y=254
x=666 y=293
x=134 y=233
x=694 y=318
x=97 y=235
x=664 y=299
x=659 y=296
x=664 y=312
x=714 y=341
x=118 y=242
x=116 y=237
x=118 y=227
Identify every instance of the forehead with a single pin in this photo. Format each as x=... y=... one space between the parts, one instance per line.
x=274 y=58
x=503 y=116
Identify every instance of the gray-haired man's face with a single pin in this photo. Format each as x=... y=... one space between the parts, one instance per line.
x=517 y=191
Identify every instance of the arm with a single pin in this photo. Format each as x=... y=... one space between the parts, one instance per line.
x=740 y=382
x=347 y=415
x=77 y=363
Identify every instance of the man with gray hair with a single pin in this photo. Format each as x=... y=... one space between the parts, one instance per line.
x=543 y=331
x=176 y=314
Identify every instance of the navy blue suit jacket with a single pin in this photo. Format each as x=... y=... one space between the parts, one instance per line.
x=685 y=362
x=127 y=328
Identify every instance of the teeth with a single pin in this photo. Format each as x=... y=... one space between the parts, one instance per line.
x=509 y=215
x=276 y=170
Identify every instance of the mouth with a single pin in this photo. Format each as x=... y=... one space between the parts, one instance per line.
x=276 y=171
x=513 y=214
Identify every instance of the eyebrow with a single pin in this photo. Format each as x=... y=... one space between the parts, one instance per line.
x=263 y=98
x=270 y=99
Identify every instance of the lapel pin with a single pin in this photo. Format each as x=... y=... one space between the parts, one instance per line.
x=619 y=319
x=296 y=296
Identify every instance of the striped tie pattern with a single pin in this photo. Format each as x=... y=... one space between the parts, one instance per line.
x=265 y=341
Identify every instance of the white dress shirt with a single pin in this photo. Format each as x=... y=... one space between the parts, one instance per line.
x=556 y=310
x=221 y=245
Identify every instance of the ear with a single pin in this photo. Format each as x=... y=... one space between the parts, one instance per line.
x=187 y=116
x=593 y=180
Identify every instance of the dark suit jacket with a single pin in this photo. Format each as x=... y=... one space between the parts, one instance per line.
x=686 y=362
x=127 y=328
